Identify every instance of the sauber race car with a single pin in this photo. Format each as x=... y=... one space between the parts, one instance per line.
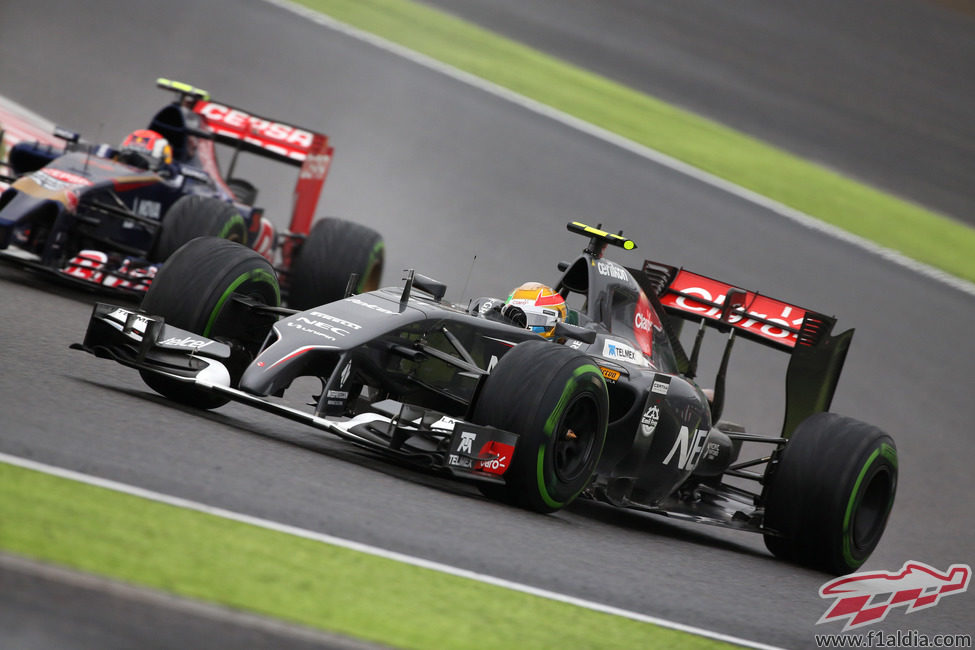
x=606 y=408
x=108 y=218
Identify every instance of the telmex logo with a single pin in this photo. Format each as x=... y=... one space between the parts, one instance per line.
x=865 y=598
x=617 y=350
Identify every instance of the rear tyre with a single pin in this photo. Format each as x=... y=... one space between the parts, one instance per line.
x=830 y=493
x=555 y=399
x=195 y=216
x=193 y=291
x=333 y=250
x=244 y=191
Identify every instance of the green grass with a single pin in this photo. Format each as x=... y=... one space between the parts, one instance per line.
x=243 y=566
x=889 y=221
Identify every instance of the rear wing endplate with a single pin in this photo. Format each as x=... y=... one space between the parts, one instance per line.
x=817 y=356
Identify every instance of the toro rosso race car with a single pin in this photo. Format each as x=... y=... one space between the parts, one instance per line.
x=107 y=218
x=607 y=407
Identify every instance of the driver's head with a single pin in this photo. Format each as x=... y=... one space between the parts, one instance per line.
x=145 y=149
x=543 y=307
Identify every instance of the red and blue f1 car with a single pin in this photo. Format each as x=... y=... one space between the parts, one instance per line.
x=84 y=214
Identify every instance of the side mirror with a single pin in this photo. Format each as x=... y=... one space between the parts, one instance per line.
x=431 y=286
x=568 y=331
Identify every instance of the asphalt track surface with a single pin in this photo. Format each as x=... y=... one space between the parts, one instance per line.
x=880 y=90
x=447 y=172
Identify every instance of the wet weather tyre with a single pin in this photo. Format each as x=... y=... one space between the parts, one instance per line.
x=333 y=250
x=830 y=493
x=195 y=216
x=555 y=399
x=193 y=291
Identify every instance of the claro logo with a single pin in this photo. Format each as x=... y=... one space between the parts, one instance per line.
x=763 y=316
x=784 y=318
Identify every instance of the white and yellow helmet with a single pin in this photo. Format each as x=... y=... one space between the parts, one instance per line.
x=543 y=307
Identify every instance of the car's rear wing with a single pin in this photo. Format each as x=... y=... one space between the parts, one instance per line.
x=279 y=141
x=817 y=356
x=761 y=318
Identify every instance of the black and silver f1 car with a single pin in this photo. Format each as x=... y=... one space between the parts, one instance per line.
x=609 y=410
x=105 y=219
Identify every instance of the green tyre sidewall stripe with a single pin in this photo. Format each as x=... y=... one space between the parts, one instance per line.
x=884 y=451
x=543 y=469
x=256 y=275
x=236 y=221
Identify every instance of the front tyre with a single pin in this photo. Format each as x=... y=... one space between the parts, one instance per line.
x=830 y=493
x=192 y=291
x=555 y=399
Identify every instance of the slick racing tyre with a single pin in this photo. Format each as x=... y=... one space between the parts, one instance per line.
x=829 y=494
x=193 y=291
x=555 y=399
x=244 y=191
x=194 y=216
x=335 y=249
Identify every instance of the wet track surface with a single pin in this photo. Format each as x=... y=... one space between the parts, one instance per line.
x=880 y=90
x=448 y=174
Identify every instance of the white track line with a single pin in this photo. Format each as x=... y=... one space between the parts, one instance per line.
x=643 y=151
x=370 y=550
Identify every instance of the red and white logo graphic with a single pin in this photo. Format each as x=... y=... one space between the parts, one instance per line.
x=865 y=598
x=66 y=176
x=497 y=465
x=281 y=138
x=645 y=320
x=762 y=316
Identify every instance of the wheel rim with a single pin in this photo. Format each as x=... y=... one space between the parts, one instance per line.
x=575 y=439
x=871 y=512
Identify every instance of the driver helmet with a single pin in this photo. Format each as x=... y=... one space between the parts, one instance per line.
x=145 y=149
x=543 y=307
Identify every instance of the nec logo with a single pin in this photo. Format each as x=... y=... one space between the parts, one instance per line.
x=865 y=598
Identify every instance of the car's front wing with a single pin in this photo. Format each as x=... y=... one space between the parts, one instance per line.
x=408 y=433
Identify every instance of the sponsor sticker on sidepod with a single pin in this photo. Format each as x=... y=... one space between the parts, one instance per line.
x=620 y=351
